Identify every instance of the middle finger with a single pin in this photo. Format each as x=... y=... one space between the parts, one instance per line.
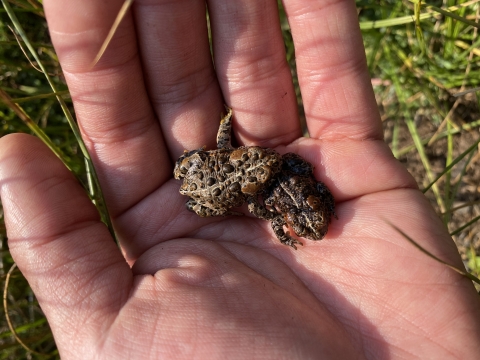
x=253 y=71
x=180 y=76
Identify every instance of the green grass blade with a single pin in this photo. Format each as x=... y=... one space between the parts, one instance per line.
x=402 y=20
x=40 y=96
x=452 y=164
x=452 y=15
x=465 y=127
x=429 y=254
x=423 y=156
x=34 y=127
x=410 y=122
x=365 y=25
x=448 y=194
x=463 y=227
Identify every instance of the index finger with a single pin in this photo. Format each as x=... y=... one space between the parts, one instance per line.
x=114 y=114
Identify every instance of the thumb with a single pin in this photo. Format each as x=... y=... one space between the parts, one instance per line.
x=55 y=236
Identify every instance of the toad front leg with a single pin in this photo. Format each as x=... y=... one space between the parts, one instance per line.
x=276 y=220
x=204 y=210
x=277 y=225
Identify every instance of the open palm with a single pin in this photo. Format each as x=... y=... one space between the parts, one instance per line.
x=224 y=287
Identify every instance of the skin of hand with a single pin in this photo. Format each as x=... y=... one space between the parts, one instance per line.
x=187 y=287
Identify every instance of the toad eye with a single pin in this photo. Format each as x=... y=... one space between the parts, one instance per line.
x=313 y=202
x=184 y=166
x=181 y=168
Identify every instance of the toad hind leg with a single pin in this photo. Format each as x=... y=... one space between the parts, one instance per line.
x=204 y=211
x=224 y=139
x=258 y=209
x=277 y=222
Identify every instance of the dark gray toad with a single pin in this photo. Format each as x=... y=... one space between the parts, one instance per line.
x=295 y=199
x=217 y=180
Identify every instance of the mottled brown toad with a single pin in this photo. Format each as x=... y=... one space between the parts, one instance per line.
x=217 y=180
x=297 y=200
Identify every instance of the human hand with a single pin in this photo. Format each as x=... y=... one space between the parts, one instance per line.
x=186 y=286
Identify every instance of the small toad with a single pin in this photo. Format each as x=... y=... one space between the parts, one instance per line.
x=295 y=199
x=217 y=180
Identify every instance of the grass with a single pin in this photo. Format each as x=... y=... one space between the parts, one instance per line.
x=419 y=57
x=421 y=61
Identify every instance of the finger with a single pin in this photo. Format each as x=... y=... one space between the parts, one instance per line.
x=111 y=103
x=336 y=89
x=181 y=79
x=253 y=72
x=59 y=243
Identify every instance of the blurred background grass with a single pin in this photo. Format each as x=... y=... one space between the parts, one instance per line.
x=419 y=58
